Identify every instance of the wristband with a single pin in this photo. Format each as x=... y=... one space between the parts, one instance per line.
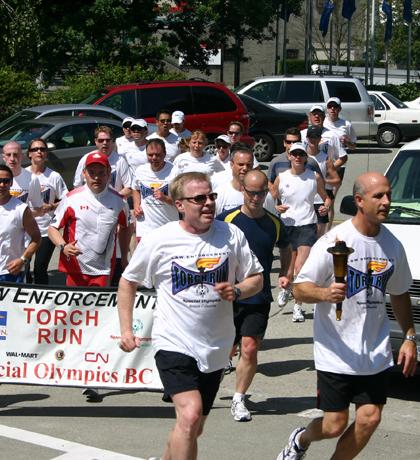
x=411 y=338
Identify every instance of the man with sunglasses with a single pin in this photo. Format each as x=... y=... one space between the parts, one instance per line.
x=25 y=185
x=125 y=140
x=163 y=124
x=263 y=231
x=198 y=266
x=16 y=220
x=120 y=178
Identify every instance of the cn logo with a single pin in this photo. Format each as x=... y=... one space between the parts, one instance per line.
x=92 y=357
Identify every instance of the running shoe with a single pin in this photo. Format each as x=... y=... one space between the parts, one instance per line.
x=239 y=411
x=283 y=298
x=298 y=316
x=292 y=451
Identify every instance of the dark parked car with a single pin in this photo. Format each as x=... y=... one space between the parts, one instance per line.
x=68 y=139
x=61 y=110
x=267 y=126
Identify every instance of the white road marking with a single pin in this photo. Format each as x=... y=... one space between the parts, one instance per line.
x=72 y=450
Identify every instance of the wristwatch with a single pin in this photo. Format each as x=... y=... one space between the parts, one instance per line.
x=24 y=259
x=411 y=338
x=62 y=246
x=237 y=292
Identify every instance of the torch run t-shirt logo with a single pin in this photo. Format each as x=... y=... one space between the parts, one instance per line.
x=183 y=278
x=375 y=277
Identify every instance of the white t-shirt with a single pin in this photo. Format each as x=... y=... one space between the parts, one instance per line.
x=53 y=188
x=122 y=144
x=135 y=156
x=341 y=127
x=359 y=343
x=207 y=164
x=171 y=144
x=182 y=135
x=228 y=198
x=91 y=220
x=155 y=212
x=190 y=317
x=120 y=172
x=27 y=188
x=12 y=233
x=221 y=178
x=298 y=191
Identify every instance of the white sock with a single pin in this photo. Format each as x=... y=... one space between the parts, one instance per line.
x=238 y=397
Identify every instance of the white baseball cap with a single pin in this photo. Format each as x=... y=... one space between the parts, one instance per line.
x=224 y=138
x=335 y=100
x=317 y=107
x=178 y=117
x=127 y=119
x=139 y=122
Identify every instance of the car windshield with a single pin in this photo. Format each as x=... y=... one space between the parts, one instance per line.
x=17 y=118
x=94 y=96
x=404 y=177
x=399 y=104
x=24 y=133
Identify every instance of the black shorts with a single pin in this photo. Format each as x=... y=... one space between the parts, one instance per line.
x=337 y=391
x=321 y=219
x=180 y=373
x=330 y=194
x=250 y=320
x=303 y=235
x=340 y=171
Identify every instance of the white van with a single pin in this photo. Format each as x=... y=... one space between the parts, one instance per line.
x=404 y=222
x=299 y=93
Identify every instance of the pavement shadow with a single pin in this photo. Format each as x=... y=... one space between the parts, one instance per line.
x=273 y=344
x=123 y=412
x=370 y=149
x=276 y=406
x=8 y=400
x=279 y=368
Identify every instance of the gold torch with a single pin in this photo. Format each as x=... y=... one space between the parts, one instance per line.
x=340 y=253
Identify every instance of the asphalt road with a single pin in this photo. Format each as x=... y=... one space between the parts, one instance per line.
x=39 y=422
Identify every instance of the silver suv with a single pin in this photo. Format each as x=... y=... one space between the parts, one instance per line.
x=300 y=92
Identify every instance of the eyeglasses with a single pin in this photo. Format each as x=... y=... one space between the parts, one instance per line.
x=234 y=133
x=35 y=149
x=127 y=125
x=287 y=141
x=105 y=139
x=165 y=121
x=298 y=154
x=200 y=199
x=138 y=128
x=259 y=193
x=5 y=180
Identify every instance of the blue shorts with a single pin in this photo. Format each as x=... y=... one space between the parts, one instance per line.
x=302 y=235
x=7 y=277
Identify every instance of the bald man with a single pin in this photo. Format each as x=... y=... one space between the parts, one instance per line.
x=263 y=231
x=353 y=355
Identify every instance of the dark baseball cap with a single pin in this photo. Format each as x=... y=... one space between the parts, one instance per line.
x=314 y=131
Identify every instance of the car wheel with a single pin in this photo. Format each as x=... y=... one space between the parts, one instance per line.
x=263 y=147
x=388 y=136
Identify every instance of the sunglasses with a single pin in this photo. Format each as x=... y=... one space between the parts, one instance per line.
x=259 y=193
x=222 y=146
x=106 y=139
x=127 y=125
x=200 y=199
x=35 y=149
x=5 y=180
x=138 y=129
x=298 y=154
x=332 y=106
x=165 y=120
x=234 y=133
x=290 y=142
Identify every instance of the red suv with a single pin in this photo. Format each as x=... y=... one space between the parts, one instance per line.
x=207 y=106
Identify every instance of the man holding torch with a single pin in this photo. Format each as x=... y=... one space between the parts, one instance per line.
x=352 y=350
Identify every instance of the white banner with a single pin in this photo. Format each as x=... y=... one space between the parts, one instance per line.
x=70 y=336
